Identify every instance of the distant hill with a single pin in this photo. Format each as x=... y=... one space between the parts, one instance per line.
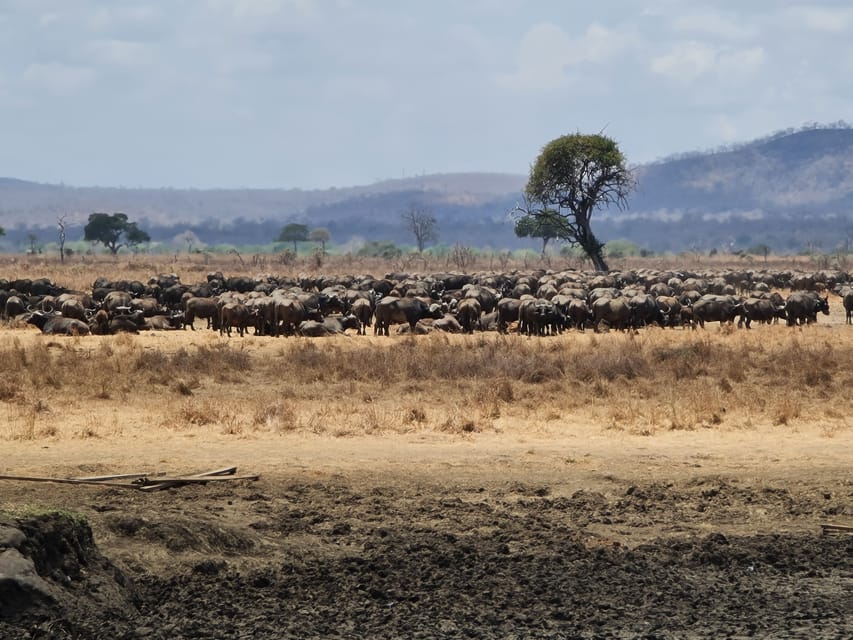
x=791 y=190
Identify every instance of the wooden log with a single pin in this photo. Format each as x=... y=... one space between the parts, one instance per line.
x=100 y=483
x=829 y=529
x=166 y=483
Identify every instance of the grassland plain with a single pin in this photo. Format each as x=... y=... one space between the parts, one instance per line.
x=666 y=483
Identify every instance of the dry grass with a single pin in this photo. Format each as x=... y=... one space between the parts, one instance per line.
x=638 y=383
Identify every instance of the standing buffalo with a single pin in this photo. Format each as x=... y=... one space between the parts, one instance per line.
x=611 y=312
x=846 y=294
x=760 y=310
x=392 y=310
x=716 y=308
x=468 y=314
x=207 y=308
x=802 y=307
x=233 y=314
x=362 y=309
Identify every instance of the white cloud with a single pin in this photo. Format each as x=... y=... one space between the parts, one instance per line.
x=714 y=24
x=120 y=52
x=826 y=19
x=58 y=78
x=688 y=61
x=113 y=17
x=546 y=52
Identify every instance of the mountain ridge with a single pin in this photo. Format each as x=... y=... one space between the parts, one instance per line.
x=799 y=180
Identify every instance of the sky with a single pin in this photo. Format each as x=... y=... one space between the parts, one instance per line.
x=332 y=93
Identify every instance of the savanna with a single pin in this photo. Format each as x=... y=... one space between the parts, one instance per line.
x=656 y=483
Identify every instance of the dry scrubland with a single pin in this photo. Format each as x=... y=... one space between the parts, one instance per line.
x=657 y=380
x=658 y=484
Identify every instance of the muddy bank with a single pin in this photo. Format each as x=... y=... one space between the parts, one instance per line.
x=343 y=559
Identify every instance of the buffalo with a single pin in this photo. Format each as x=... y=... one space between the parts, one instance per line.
x=56 y=325
x=802 y=307
x=716 y=308
x=233 y=314
x=468 y=313
x=760 y=310
x=392 y=310
x=207 y=308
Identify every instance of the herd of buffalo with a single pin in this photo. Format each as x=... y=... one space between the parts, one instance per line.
x=532 y=303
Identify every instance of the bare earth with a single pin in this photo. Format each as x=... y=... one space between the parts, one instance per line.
x=559 y=527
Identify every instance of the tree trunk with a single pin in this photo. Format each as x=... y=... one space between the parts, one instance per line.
x=597 y=259
x=590 y=245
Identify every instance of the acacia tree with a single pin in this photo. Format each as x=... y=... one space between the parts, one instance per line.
x=422 y=224
x=321 y=235
x=293 y=232
x=60 y=221
x=573 y=176
x=548 y=226
x=114 y=231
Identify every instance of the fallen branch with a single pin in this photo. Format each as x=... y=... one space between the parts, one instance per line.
x=142 y=481
x=829 y=529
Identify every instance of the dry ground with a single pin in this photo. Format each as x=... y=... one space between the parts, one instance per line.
x=663 y=484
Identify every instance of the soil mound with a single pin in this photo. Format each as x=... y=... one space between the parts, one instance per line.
x=54 y=583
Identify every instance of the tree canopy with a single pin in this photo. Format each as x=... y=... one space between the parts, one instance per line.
x=114 y=231
x=548 y=226
x=573 y=176
x=293 y=232
x=321 y=235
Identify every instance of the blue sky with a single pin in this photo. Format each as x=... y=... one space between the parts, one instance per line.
x=323 y=93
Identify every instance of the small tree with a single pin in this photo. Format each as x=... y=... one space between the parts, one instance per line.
x=293 y=232
x=114 y=231
x=548 y=226
x=2 y=232
x=573 y=176
x=34 y=248
x=60 y=221
x=321 y=235
x=422 y=224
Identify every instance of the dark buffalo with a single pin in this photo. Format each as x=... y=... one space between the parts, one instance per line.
x=645 y=310
x=540 y=317
x=802 y=307
x=233 y=315
x=507 y=312
x=163 y=322
x=716 y=308
x=56 y=325
x=392 y=310
x=362 y=308
x=207 y=308
x=116 y=301
x=579 y=314
x=290 y=312
x=848 y=304
x=614 y=313
x=333 y=326
x=486 y=296
x=14 y=306
x=761 y=310
x=670 y=310
x=126 y=322
x=468 y=313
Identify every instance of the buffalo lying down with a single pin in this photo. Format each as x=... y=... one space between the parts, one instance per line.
x=56 y=325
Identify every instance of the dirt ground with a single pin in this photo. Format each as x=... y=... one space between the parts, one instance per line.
x=572 y=530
